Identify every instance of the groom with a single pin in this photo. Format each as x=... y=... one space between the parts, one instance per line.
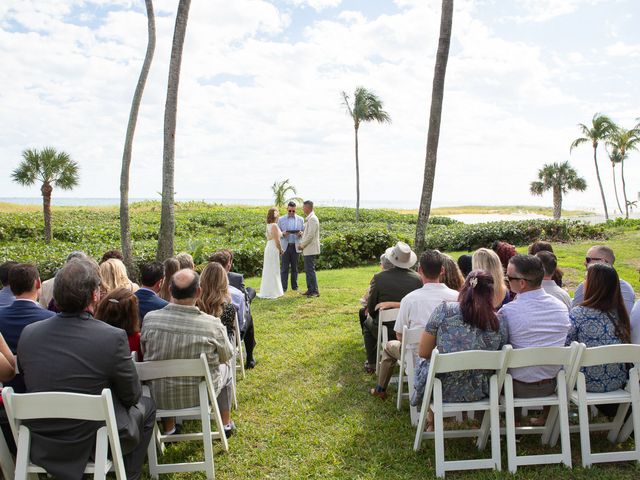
x=290 y=226
x=310 y=245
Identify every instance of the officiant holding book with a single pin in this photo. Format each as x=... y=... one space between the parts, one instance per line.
x=291 y=226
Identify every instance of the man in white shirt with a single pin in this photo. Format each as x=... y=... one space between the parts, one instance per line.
x=550 y=264
x=533 y=319
x=415 y=309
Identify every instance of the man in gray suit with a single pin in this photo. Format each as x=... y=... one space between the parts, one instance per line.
x=74 y=352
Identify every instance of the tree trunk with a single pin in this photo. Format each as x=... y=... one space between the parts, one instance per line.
x=604 y=201
x=357 y=176
x=125 y=228
x=435 y=116
x=557 y=202
x=615 y=186
x=624 y=189
x=167 y=219
x=46 y=190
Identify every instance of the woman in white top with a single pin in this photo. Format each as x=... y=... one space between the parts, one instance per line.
x=271 y=285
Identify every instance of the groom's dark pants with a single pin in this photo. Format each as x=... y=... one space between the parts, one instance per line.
x=289 y=257
x=310 y=271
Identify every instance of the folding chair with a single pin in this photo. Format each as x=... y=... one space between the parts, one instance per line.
x=385 y=317
x=605 y=355
x=199 y=367
x=239 y=348
x=564 y=357
x=63 y=405
x=7 y=466
x=453 y=362
x=410 y=340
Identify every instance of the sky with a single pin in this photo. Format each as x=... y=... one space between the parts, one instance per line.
x=260 y=95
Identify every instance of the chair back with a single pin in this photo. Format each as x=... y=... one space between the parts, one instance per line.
x=538 y=356
x=389 y=315
x=605 y=354
x=411 y=336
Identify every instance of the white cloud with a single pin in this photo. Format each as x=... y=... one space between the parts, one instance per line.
x=317 y=5
x=622 y=49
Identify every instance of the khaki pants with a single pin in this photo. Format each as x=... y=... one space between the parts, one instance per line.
x=390 y=356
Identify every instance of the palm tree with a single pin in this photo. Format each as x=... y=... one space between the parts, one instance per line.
x=559 y=178
x=125 y=227
x=616 y=157
x=601 y=128
x=167 y=218
x=280 y=190
x=435 y=115
x=366 y=107
x=624 y=141
x=51 y=168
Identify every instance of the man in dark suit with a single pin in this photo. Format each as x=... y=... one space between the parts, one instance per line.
x=236 y=280
x=151 y=278
x=73 y=352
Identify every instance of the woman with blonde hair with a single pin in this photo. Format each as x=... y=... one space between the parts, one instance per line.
x=215 y=298
x=113 y=274
x=488 y=260
x=271 y=284
x=452 y=276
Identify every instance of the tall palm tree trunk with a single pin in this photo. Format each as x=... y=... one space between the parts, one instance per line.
x=125 y=227
x=624 y=189
x=433 y=135
x=46 y=190
x=557 y=202
x=604 y=201
x=167 y=219
x=357 y=176
x=615 y=185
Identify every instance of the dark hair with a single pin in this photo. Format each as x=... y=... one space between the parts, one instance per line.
x=530 y=267
x=292 y=204
x=112 y=254
x=271 y=215
x=549 y=261
x=188 y=291
x=431 y=263
x=22 y=276
x=464 y=263
x=119 y=308
x=505 y=251
x=308 y=203
x=540 y=246
x=151 y=273
x=171 y=265
x=75 y=284
x=476 y=301
x=223 y=257
x=602 y=292
x=4 y=272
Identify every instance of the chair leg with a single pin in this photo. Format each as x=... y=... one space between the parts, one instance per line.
x=549 y=425
x=585 y=441
x=7 y=465
x=22 y=458
x=510 y=425
x=563 y=423
x=483 y=434
x=438 y=429
x=207 y=441
x=152 y=453
x=378 y=353
x=101 y=454
x=617 y=423
x=495 y=423
x=400 y=386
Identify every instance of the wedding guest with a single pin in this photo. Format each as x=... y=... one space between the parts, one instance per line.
x=415 y=309
x=488 y=260
x=151 y=278
x=452 y=276
x=186 y=260
x=504 y=251
x=310 y=246
x=215 y=299
x=119 y=308
x=73 y=353
x=550 y=264
x=635 y=323
x=181 y=330
x=117 y=254
x=533 y=319
x=601 y=319
x=46 y=289
x=7 y=362
x=114 y=275
x=469 y=324
x=290 y=226
x=171 y=266
x=604 y=254
x=385 y=264
x=388 y=286
x=541 y=246
x=6 y=297
x=465 y=264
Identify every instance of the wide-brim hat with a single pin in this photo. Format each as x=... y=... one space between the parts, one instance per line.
x=401 y=255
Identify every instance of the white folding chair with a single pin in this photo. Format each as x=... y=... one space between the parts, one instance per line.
x=239 y=350
x=605 y=355
x=453 y=362
x=207 y=407
x=410 y=341
x=7 y=465
x=64 y=405
x=385 y=317
x=563 y=357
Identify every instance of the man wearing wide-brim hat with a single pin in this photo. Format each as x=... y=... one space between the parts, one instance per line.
x=388 y=286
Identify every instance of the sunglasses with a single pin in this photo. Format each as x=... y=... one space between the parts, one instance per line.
x=517 y=278
x=291 y=211
x=594 y=259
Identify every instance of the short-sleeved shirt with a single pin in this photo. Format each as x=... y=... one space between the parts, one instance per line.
x=453 y=334
x=416 y=307
x=595 y=328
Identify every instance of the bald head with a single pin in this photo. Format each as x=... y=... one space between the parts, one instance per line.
x=185 y=286
x=599 y=254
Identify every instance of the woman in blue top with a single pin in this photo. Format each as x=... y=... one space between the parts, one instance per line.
x=602 y=319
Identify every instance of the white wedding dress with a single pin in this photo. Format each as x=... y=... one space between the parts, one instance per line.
x=271 y=285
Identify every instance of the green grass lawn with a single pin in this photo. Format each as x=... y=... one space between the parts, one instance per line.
x=305 y=410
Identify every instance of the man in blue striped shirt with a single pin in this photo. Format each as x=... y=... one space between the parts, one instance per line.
x=290 y=225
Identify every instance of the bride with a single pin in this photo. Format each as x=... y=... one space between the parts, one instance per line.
x=271 y=285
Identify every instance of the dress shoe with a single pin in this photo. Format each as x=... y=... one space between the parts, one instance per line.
x=229 y=429
x=313 y=294
x=250 y=364
x=381 y=394
x=305 y=293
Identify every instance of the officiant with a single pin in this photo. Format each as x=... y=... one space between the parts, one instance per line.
x=290 y=225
